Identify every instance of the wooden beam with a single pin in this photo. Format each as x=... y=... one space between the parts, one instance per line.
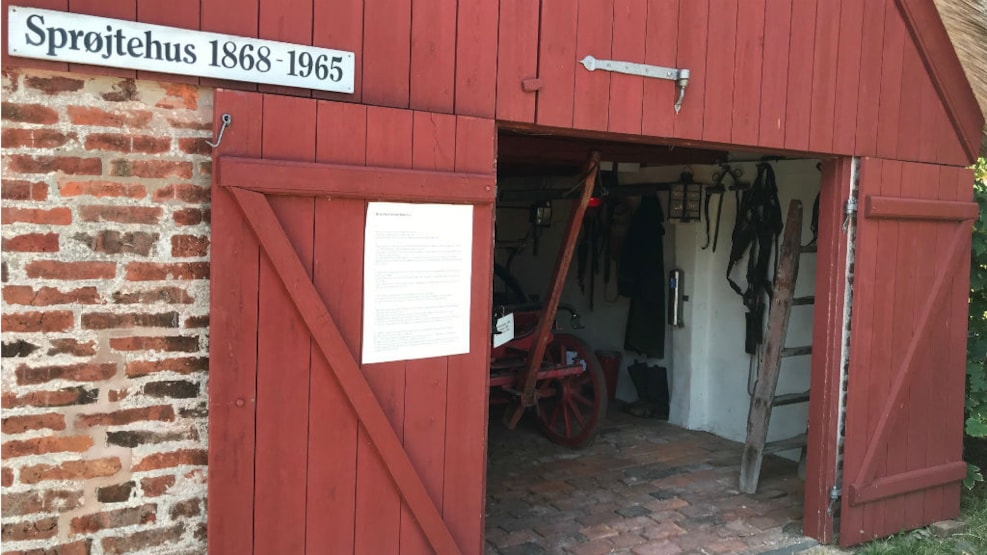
x=280 y=177
x=918 y=209
x=907 y=482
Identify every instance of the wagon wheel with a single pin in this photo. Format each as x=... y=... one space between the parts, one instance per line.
x=570 y=408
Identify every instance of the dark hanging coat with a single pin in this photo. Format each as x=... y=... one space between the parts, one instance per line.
x=641 y=276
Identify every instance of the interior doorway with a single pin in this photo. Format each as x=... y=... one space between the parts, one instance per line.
x=678 y=378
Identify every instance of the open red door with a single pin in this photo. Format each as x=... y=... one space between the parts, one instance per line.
x=311 y=451
x=904 y=417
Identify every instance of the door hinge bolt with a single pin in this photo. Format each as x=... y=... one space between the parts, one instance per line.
x=851 y=212
x=834 y=497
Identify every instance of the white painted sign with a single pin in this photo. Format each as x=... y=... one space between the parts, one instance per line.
x=101 y=41
x=503 y=330
x=417 y=265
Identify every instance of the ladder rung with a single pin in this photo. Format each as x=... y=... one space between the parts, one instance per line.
x=790 y=399
x=796 y=351
x=808 y=249
x=796 y=442
x=797 y=301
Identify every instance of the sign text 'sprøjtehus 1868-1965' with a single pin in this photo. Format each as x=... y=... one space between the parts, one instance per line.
x=68 y=37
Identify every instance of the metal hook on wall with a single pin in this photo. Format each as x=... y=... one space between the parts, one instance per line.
x=227 y=121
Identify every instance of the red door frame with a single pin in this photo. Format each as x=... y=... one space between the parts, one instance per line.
x=827 y=333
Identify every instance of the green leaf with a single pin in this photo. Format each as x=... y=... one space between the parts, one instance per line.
x=973 y=475
x=976 y=426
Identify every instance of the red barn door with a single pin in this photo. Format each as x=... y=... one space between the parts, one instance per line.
x=904 y=422
x=310 y=450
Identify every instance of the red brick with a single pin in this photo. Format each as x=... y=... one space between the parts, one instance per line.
x=74 y=165
x=54 y=216
x=157 y=486
x=168 y=344
x=54 y=269
x=34 y=138
x=197 y=321
x=6 y=478
x=185 y=509
x=118 y=518
x=188 y=216
x=180 y=95
x=194 y=457
x=82 y=115
x=32 y=242
x=187 y=365
x=18 y=348
x=73 y=372
x=28 y=113
x=107 y=320
x=120 y=142
x=184 y=192
x=151 y=271
x=109 y=241
x=18 y=189
x=205 y=168
x=185 y=246
x=71 y=470
x=116 y=493
x=21 y=424
x=115 y=395
x=59 y=398
x=56 y=320
x=121 y=214
x=191 y=145
x=44 y=445
x=101 y=189
x=50 y=501
x=659 y=547
x=72 y=346
x=53 y=85
x=124 y=91
x=168 y=294
x=184 y=123
x=81 y=547
x=151 y=168
x=29 y=530
x=160 y=413
x=45 y=296
x=143 y=541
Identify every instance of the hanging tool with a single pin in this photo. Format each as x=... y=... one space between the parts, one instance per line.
x=718 y=188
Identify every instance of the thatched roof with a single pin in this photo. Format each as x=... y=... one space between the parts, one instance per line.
x=966 y=21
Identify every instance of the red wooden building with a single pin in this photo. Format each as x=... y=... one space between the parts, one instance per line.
x=309 y=447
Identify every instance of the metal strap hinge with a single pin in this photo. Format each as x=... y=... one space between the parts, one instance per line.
x=680 y=76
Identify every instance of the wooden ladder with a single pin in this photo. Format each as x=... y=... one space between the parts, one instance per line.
x=772 y=352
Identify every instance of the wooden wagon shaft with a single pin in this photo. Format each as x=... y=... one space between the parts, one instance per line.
x=547 y=317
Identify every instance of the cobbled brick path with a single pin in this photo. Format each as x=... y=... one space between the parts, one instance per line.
x=644 y=487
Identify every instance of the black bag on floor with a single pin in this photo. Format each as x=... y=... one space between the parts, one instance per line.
x=651 y=383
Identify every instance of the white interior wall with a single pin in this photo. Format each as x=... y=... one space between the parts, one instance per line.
x=708 y=368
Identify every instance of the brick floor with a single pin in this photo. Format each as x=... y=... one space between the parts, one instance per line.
x=644 y=487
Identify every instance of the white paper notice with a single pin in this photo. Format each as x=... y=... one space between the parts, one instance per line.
x=416 y=281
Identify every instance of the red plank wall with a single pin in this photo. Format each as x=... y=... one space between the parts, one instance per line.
x=775 y=74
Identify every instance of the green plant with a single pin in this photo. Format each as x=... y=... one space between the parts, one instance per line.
x=976 y=397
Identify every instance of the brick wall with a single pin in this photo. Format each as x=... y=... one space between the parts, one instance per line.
x=105 y=314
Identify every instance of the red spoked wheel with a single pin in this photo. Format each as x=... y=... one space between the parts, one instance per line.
x=570 y=408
